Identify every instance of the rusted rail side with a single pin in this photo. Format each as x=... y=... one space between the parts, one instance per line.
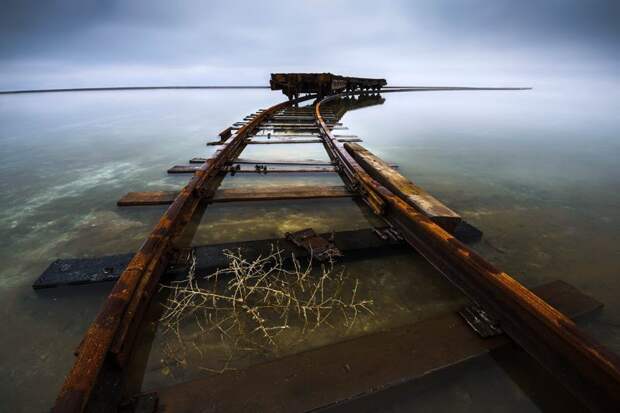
x=584 y=366
x=144 y=270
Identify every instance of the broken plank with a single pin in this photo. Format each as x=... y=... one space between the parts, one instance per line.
x=240 y=195
x=339 y=372
x=400 y=185
x=225 y=134
x=78 y=271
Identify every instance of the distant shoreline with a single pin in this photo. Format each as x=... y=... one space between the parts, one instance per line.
x=117 y=88
x=385 y=89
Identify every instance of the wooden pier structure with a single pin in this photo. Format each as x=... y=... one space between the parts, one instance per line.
x=502 y=311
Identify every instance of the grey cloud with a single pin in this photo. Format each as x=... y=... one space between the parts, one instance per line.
x=93 y=42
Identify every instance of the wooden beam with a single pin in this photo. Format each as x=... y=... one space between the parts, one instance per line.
x=275 y=141
x=185 y=169
x=280 y=193
x=309 y=162
x=147 y=198
x=279 y=141
x=225 y=134
x=403 y=187
x=293 y=118
x=353 y=368
x=296 y=125
x=280 y=128
x=240 y=195
x=79 y=271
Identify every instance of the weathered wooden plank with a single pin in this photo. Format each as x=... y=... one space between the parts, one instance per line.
x=305 y=110
x=339 y=372
x=79 y=271
x=184 y=169
x=280 y=128
x=276 y=141
x=147 y=198
x=225 y=134
x=280 y=141
x=293 y=118
x=239 y=195
x=280 y=193
x=295 y=125
x=299 y=135
x=400 y=185
x=74 y=271
x=303 y=162
x=309 y=162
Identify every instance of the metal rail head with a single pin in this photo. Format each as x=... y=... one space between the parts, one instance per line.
x=584 y=366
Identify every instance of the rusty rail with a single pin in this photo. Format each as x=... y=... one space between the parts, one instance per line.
x=585 y=367
x=109 y=336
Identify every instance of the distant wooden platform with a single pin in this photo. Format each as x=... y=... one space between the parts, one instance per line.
x=240 y=195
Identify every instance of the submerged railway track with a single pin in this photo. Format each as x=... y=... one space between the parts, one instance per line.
x=95 y=382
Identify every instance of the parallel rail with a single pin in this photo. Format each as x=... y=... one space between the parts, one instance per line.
x=109 y=337
x=584 y=366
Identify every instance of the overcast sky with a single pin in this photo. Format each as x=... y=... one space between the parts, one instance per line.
x=81 y=43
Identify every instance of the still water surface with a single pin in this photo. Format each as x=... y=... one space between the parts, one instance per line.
x=537 y=171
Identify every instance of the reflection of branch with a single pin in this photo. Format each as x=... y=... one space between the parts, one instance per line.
x=261 y=299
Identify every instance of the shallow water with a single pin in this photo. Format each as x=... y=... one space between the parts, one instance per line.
x=536 y=171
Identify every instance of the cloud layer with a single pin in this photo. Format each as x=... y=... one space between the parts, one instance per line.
x=81 y=43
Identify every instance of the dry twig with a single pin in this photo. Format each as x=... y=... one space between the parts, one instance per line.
x=257 y=302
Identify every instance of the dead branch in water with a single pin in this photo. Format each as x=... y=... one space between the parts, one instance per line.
x=247 y=305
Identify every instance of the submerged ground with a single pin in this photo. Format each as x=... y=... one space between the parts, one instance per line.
x=536 y=171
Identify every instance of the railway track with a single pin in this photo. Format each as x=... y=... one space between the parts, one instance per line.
x=95 y=381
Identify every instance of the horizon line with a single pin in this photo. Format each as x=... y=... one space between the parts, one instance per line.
x=119 y=88
x=116 y=88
